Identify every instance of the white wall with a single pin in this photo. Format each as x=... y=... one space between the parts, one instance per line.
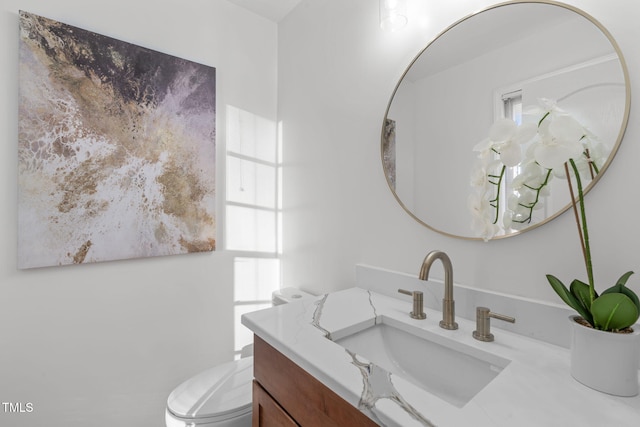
x=337 y=70
x=104 y=344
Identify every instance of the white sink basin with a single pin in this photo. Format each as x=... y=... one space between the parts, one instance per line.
x=447 y=368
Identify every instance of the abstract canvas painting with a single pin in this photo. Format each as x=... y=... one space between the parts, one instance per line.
x=116 y=149
x=389 y=151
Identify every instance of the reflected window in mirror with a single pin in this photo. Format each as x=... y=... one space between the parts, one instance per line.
x=512 y=109
x=512 y=106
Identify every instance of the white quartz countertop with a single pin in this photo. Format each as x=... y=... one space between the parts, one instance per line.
x=535 y=389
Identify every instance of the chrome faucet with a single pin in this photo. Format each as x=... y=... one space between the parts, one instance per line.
x=448 y=305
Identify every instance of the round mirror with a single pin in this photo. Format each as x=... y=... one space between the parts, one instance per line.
x=512 y=60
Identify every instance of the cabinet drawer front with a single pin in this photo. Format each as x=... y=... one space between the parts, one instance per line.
x=266 y=412
x=309 y=402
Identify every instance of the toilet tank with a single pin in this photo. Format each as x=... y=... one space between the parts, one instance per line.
x=279 y=297
x=287 y=295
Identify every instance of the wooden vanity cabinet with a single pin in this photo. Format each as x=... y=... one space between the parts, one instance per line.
x=266 y=412
x=285 y=395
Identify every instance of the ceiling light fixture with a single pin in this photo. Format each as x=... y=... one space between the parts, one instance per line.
x=393 y=14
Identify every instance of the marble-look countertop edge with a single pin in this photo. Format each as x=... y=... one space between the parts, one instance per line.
x=537 y=376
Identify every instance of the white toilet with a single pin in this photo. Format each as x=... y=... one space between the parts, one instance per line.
x=220 y=396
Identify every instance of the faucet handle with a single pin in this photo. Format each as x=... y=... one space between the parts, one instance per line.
x=483 y=325
x=418 y=304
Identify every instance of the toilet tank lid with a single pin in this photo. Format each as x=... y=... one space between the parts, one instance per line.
x=221 y=391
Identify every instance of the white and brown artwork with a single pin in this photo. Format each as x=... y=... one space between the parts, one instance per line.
x=116 y=149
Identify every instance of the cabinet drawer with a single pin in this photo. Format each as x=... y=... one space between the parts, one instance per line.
x=308 y=401
x=266 y=412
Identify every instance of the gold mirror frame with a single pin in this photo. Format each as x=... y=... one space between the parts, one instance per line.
x=614 y=149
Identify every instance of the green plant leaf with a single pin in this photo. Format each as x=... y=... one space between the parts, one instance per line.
x=632 y=296
x=569 y=298
x=619 y=284
x=621 y=288
x=623 y=279
x=580 y=290
x=613 y=311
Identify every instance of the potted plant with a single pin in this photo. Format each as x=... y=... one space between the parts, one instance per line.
x=605 y=350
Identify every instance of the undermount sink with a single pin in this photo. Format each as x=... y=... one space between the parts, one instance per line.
x=447 y=368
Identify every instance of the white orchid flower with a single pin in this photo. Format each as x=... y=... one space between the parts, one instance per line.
x=478 y=175
x=512 y=201
x=526 y=197
x=532 y=176
x=598 y=152
x=520 y=222
x=545 y=107
x=559 y=142
x=506 y=138
x=507 y=219
x=485 y=229
x=481 y=216
x=478 y=203
x=514 y=220
x=552 y=137
x=545 y=191
x=483 y=147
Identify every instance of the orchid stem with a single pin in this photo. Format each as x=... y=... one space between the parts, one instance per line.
x=497 y=199
x=532 y=205
x=593 y=169
x=583 y=231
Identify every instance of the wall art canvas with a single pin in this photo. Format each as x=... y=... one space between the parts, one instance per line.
x=116 y=149
x=389 y=151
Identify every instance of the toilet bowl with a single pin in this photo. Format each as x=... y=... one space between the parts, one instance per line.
x=220 y=396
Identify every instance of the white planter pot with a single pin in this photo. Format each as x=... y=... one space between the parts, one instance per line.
x=605 y=361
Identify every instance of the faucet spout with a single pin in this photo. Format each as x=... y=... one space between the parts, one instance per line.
x=448 y=304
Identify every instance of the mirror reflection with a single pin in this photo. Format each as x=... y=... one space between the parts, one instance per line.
x=504 y=62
